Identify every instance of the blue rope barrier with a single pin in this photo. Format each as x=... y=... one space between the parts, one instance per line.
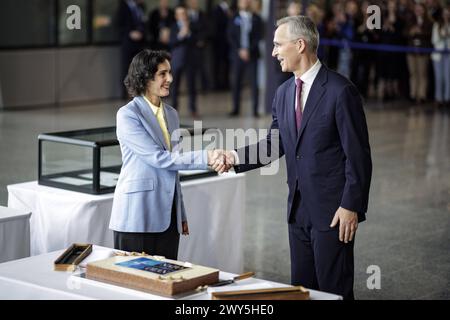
x=379 y=47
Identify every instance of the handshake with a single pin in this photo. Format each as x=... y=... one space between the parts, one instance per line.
x=221 y=160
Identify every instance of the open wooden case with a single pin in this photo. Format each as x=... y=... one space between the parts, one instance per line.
x=71 y=258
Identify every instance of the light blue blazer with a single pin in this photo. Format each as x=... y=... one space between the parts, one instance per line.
x=149 y=177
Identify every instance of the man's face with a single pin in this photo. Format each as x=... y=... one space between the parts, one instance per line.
x=192 y=4
x=286 y=49
x=180 y=14
x=244 y=5
x=163 y=3
x=294 y=9
x=160 y=85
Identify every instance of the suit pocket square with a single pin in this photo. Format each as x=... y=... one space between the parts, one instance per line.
x=139 y=185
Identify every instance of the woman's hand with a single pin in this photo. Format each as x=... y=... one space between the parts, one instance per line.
x=185 y=228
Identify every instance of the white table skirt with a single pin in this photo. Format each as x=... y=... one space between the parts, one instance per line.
x=215 y=208
x=34 y=278
x=14 y=234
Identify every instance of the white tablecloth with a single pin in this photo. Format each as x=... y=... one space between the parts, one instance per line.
x=215 y=208
x=34 y=278
x=14 y=234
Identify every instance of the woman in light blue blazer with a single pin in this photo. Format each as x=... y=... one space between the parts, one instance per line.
x=148 y=214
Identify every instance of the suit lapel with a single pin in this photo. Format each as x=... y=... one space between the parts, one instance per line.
x=172 y=125
x=290 y=110
x=315 y=94
x=152 y=122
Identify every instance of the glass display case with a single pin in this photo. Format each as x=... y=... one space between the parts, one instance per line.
x=89 y=160
x=86 y=161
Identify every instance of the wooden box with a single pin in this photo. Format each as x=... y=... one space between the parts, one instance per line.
x=69 y=259
x=143 y=273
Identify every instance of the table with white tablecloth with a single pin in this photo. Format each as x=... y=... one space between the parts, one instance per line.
x=215 y=209
x=14 y=234
x=34 y=278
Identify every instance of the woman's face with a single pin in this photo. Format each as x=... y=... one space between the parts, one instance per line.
x=160 y=85
x=419 y=11
x=446 y=13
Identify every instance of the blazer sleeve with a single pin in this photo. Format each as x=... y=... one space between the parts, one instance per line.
x=233 y=35
x=266 y=150
x=132 y=134
x=353 y=133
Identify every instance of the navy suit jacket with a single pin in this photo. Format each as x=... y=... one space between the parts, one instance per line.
x=328 y=159
x=127 y=22
x=185 y=51
x=234 y=36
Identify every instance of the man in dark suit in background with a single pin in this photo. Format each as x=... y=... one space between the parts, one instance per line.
x=185 y=57
x=198 y=22
x=160 y=21
x=319 y=125
x=132 y=34
x=221 y=16
x=244 y=34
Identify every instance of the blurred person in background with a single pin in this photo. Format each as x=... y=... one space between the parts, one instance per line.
x=317 y=15
x=390 y=62
x=244 y=34
x=405 y=12
x=418 y=33
x=364 y=59
x=294 y=8
x=183 y=45
x=433 y=8
x=160 y=21
x=198 y=22
x=131 y=22
x=441 y=61
x=331 y=21
x=347 y=29
x=221 y=16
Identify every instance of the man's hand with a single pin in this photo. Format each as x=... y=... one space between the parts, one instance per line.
x=348 y=223
x=164 y=35
x=220 y=160
x=184 y=31
x=185 y=228
x=136 y=35
x=244 y=54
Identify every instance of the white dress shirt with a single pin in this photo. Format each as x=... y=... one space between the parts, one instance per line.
x=308 y=78
x=246 y=27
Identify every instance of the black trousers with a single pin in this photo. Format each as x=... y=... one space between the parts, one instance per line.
x=239 y=69
x=159 y=243
x=190 y=70
x=320 y=261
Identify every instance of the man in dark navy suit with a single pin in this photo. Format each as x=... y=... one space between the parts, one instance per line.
x=221 y=16
x=244 y=33
x=184 y=38
x=319 y=125
x=131 y=23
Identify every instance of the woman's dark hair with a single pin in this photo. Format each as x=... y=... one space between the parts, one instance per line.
x=143 y=68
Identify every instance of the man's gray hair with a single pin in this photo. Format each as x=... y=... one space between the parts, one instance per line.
x=302 y=27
